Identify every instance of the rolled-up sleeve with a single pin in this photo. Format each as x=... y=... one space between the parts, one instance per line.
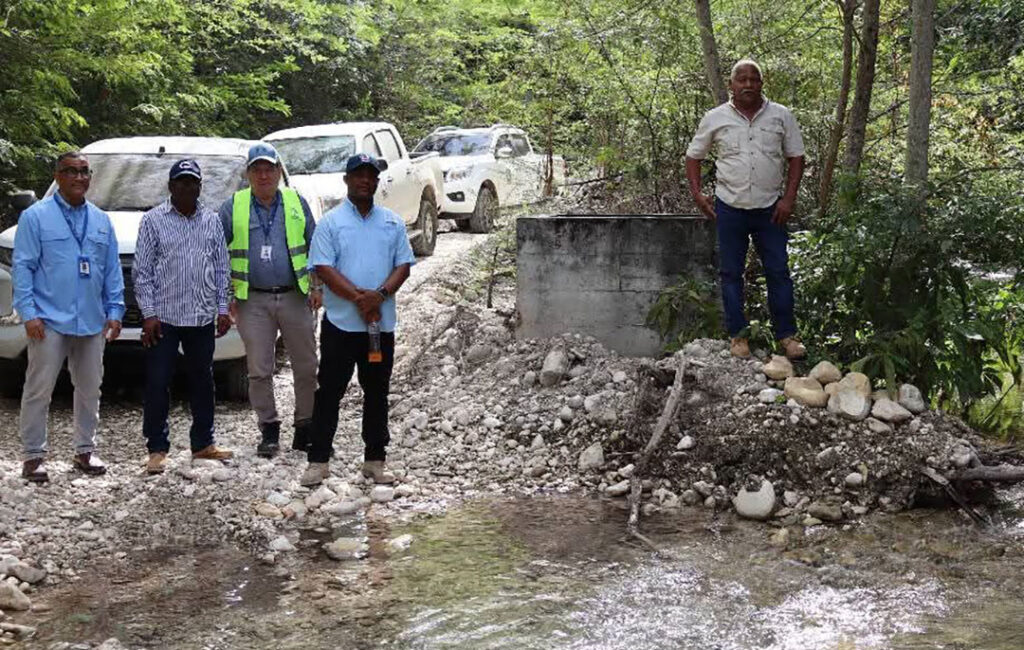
x=700 y=145
x=27 y=251
x=142 y=269
x=792 y=140
x=113 y=281
x=403 y=251
x=221 y=270
x=322 y=251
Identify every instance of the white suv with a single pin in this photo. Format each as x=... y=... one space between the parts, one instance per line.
x=487 y=168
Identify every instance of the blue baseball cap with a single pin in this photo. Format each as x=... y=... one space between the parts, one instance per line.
x=186 y=167
x=262 y=151
x=360 y=159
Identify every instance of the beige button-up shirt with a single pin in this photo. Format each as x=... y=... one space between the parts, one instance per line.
x=751 y=153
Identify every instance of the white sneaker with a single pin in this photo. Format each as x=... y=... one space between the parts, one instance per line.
x=315 y=474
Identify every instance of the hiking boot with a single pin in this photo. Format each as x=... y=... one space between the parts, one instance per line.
x=303 y=436
x=157 y=462
x=269 y=444
x=739 y=347
x=793 y=348
x=90 y=464
x=374 y=470
x=315 y=474
x=32 y=471
x=211 y=452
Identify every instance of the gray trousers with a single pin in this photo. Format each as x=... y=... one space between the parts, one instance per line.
x=260 y=318
x=45 y=359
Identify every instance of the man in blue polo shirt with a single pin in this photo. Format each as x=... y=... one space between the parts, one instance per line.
x=361 y=252
x=69 y=292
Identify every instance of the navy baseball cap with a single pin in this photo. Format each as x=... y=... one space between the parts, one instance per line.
x=186 y=167
x=262 y=151
x=361 y=159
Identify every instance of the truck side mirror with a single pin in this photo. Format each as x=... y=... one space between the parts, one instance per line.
x=21 y=200
x=504 y=152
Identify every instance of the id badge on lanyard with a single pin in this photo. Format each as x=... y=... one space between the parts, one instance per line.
x=84 y=266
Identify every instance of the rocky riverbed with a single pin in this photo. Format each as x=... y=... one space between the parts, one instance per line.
x=476 y=413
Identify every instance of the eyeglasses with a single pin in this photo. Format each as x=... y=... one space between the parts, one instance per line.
x=84 y=172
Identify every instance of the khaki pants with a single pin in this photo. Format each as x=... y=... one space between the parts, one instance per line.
x=45 y=359
x=260 y=318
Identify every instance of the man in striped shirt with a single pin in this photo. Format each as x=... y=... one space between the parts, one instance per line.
x=181 y=284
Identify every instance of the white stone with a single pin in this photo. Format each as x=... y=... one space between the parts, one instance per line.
x=619 y=377
x=26 y=573
x=619 y=489
x=529 y=378
x=854 y=479
x=825 y=373
x=400 y=543
x=278 y=499
x=491 y=422
x=346 y=548
x=755 y=505
x=591 y=458
x=686 y=443
x=281 y=544
x=778 y=367
x=850 y=404
x=342 y=508
x=591 y=402
x=565 y=414
x=265 y=509
x=911 y=399
x=538 y=442
x=555 y=365
x=889 y=411
x=382 y=494
x=221 y=475
x=769 y=395
x=806 y=391
x=627 y=471
x=857 y=381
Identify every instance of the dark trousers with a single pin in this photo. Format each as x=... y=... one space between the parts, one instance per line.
x=342 y=352
x=197 y=343
x=736 y=227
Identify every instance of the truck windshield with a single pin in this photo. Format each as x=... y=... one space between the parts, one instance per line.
x=323 y=155
x=137 y=182
x=457 y=144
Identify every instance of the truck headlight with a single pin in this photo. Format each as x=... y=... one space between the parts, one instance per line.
x=6 y=257
x=458 y=173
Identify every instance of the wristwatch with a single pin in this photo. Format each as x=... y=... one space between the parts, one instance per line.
x=383 y=291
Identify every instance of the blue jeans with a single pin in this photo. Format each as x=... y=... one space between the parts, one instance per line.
x=197 y=343
x=735 y=229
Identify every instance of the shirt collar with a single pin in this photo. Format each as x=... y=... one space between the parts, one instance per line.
x=355 y=211
x=64 y=205
x=764 y=105
x=170 y=209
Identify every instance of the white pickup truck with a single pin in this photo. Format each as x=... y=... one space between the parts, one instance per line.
x=410 y=186
x=130 y=177
x=488 y=167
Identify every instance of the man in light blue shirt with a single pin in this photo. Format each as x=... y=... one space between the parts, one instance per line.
x=361 y=253
x=69 y=292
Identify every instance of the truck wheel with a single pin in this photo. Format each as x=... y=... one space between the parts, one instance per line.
x=233 y=380
x=426 y=223
x=484 y=212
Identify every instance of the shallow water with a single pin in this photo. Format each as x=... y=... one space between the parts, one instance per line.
x=557 y=572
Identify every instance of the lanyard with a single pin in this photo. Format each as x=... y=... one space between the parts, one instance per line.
x=85 y=225
x=268 y=226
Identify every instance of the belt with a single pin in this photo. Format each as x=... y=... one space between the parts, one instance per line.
x=272 y=289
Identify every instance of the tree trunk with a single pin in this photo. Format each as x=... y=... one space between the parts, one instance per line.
x=712 y=66
x=865 y=83
x=922 y=48
x=847 y=9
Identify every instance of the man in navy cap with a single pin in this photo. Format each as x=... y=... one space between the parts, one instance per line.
x=268 y=230
x=361 y=252
x=181 y=284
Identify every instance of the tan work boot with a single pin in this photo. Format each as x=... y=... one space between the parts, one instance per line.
x=739 y=347
x=374 y=469
x=157 y=463
x=793 y=348
x=212 y=453
x=33 y=471
x=315 y=474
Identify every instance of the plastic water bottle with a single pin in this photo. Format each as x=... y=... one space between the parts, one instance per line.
x=373 y=330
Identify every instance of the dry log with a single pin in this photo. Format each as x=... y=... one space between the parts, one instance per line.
x=996 y=473
x=955 y=495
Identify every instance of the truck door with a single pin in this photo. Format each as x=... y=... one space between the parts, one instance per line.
x=526 y=170
x=403 y=186
x=504 y=165
x=383 y=195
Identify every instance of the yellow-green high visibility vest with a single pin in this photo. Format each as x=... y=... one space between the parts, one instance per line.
x=295 y=234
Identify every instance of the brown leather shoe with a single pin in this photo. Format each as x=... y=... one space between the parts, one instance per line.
x=213 y=453
x=793 y=348
x=32 y=470
x=374 y=470
x=157 y=463
x=739 y=347
x=90 y=464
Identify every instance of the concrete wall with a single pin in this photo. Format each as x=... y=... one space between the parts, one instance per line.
x=599 y=275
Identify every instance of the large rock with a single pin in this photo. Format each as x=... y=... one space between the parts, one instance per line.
x=26 y=573
x=778 y=367
x=11 y=598
x=857 y=381
x=769 y=395
x=806 y=391
x=911 y=399
x=825 y=373
x=346 y=548
x=755 y=505
x=850 y=404
x=591 y=458
x=555 y=365
x=825 y=511
x=889 y=411
x=619 y=489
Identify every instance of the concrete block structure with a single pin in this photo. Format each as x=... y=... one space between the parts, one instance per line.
x=599 y=275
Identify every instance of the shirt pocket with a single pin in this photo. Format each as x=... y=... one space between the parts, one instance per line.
x=56 y=244
x=729 y=140
x=770 y=137
x=97 y=244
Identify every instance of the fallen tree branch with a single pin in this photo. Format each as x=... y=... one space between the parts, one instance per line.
x=955 y=495
x=997 y=473
x=667 y=415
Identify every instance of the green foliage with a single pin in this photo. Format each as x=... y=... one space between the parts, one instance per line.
x=687 y=310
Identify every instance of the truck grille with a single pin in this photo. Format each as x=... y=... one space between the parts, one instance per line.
x=132 y=314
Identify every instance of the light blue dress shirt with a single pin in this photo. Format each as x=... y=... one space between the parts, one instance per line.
x=364 y=250
x=47 y=283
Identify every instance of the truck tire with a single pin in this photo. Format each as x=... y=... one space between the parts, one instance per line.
x=484 y=212
x=426 y=223
x=232 y=380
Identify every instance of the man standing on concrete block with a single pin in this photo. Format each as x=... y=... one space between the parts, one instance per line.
x=361 y=252
x=755 y=139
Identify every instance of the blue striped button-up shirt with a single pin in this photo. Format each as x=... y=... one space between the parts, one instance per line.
x=47 y=281
x=181 y=266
